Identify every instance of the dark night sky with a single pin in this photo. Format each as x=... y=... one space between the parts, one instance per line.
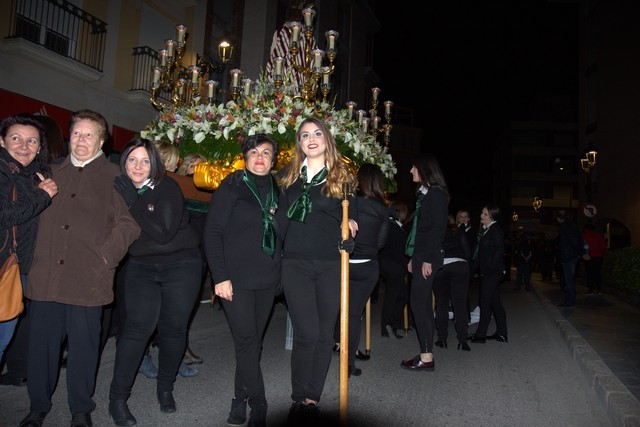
x=487 y=61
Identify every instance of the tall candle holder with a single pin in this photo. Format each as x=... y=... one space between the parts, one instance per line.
x=183 y=82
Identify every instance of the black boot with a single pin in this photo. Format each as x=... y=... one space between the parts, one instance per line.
x=119 y=411
x=258 y=415
x=238 y=414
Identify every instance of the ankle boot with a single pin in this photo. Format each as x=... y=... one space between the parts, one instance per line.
x=119 y=411
x=258 y=415
x=238 y=414
x=147 y=368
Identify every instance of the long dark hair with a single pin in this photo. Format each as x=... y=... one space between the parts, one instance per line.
x=494 y=212
x=430 y=173
x=371 y=182
x=157 y=170
x=43 y=157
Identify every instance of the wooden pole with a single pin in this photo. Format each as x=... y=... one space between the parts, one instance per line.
x=367 y=327
x=344 y=313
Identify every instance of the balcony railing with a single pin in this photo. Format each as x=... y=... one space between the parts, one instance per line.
x=60 y=27
x=144 y=59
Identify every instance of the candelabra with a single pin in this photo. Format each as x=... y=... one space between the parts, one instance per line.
x=306 y=60
x=372 y=124
x=183 y=83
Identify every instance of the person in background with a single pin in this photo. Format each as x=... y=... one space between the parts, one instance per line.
x=81 y=239
x=593 y=257
x=162 y=278
x=364 y=270
x=451 y=286
x=188 y=164
x=58 y=147
x=24 y=165
x=244 y=228
x=523 y=258
x=570 y=248
x=393 y=270
x=488 y=255
x=463 y=221
x=424 y=246
x=313 y=183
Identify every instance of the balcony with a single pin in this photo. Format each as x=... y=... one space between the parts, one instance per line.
x=56 y=31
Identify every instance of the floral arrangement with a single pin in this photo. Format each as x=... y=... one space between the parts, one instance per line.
x=217 y=131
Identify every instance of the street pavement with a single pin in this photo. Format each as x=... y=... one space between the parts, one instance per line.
x=560 y=368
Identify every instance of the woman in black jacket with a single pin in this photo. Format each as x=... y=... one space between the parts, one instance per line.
x=162 y=279
x=243 y=247
x=364 y=271
x=24 y=163
x=424 y=246
x=489 y=263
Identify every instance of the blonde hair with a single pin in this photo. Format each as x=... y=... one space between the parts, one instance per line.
x=191 y=159
x=170 y=154
x=338 y=172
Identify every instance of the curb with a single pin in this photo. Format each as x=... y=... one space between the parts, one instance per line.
x=621 y=406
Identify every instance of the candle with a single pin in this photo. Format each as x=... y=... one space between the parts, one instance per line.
x=163 y=57
x=360 y=116
x=376 y=122
x=308 y=14
x=375 y=92
x=325 y=78
x=156 y=75
x=365 y=124
x=181 y=29
x=387 y=107
x=350 y=107
x=295 y=31
x=170 y=44
x=317 y=55
x=247 y=86
x=331 y=36
x=181 y=87
x=279 y=60
x=194 y=74
x=235 y=77
x=211 y=87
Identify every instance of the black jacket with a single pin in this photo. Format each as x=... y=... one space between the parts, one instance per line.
x=24 y=213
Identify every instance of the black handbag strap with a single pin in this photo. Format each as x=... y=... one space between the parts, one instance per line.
x=14 y=197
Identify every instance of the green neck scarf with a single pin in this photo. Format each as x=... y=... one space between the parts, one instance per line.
x=299 y=209
x=411 y=239
x=268 y=210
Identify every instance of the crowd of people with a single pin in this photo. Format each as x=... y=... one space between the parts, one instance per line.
x=118 y=250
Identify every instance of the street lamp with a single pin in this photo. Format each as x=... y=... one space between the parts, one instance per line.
x=587 y=163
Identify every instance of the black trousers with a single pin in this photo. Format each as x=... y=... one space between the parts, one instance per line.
x=312 y=290
x=159 y=295
x=452 y=284
x=396 y=293
x=593 y=269
x=421 y=298
x=15 y=355
x=362 y=280
x=51 y=323
x=248 y=315
x=490 y=304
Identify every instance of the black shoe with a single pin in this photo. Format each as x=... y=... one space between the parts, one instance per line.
x=238 y=413
x=499 y=338
x=384 y=332
x=167 y=403
x=6 y=379
x=258 y=416
x=336 y=348
x=416 y=364
x=296 y=414
x=33 y=419
x=119 y=411
x=81 y=419
x=394 y=331
x=356 y=372
x=477 y=340
x=464 y=346
x=441 y=343
x=362 y=356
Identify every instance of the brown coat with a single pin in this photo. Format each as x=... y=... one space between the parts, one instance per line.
x=82 y=237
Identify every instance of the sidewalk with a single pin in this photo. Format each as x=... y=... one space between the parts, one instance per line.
x=603 y=336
